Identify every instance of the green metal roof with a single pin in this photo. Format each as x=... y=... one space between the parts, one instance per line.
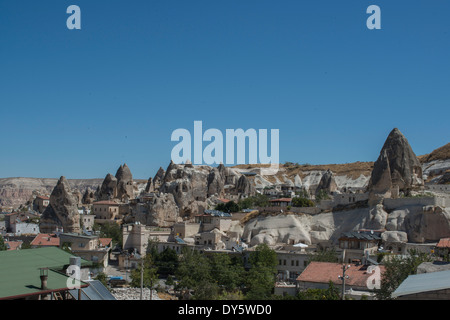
x=20 y=274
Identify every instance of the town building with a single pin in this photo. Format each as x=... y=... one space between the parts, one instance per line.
x=424 y=286
x=40 y=203
x=88 y=247
x=20 y=228
x=281 y=202
x=362 y=279
x=359 y=244
x=106 y=211
x=136 y=236
x=45 y=240
x=13 y=245
x=87 y=221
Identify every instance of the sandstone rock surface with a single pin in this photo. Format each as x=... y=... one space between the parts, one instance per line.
x=396 y=170
x=62 y=210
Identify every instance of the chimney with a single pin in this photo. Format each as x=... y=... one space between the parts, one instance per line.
x=44 y=278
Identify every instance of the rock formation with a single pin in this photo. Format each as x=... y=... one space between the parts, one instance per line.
x=216 y=181
x=188 y=185
x=421 y=224
x=17 y=191
x=158 y=178
x=108 y=189
x=161 y=211
x=125 y=189
x=149 y=187
x=119 y=187
x=244 y=186
x=327 y=183
x=62 y=210
x=89 y=197
x=396 y=170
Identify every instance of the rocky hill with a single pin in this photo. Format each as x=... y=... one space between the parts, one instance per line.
x=17 y=191
x=355 y=174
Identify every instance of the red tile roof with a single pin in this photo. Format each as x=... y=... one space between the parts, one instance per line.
x=43 y=197
x=443 y=243
x=13 y=245
x=324 y=272
x=104 y=242
x=223 y=200
x=45 y=240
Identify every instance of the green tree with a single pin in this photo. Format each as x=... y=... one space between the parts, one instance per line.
x=322 y=195
x=66 y=246
x=260 y=279
x=193 y=272
x=230 y=206
x=26 y=245
x=3 y=246
x=103 y=278
x=110 y=230
x=397 y=269
x=302 y=202
x=332 y=293
x=302 y=193
x=323 y=255
x=228 y=274
x=259 y=200
x=167 y=262
x=149 y=274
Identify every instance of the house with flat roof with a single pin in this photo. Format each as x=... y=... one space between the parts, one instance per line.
x=106 y=211
x=40 y=203
x=88 y=247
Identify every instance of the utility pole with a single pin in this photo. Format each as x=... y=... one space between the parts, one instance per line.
x=343 y=277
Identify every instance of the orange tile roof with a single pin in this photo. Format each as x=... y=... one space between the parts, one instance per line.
x=443 y=243
x=324 y=272
x=104 y=242
x=45 y=240
x=223 y=200
x=13 y=245
x=43 y=197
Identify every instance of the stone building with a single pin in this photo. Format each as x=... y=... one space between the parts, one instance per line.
x=105 y=211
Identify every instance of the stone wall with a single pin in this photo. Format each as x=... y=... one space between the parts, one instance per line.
x=391 y=204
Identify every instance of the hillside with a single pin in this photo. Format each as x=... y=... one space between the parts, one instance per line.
x=442 y=153
x=17 y=191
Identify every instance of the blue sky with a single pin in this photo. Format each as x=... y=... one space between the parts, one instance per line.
x=81 y=102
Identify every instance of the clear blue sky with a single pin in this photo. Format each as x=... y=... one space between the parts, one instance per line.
x=81 y=102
